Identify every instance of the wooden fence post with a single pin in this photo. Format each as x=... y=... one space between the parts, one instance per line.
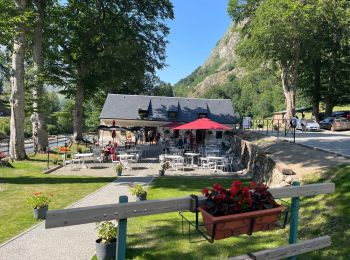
x=293 y=232
x=121 y=241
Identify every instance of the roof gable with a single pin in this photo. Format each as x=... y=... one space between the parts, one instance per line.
x=118 y=106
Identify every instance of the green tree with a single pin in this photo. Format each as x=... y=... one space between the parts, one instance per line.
x=272 y=35
x=110 y=45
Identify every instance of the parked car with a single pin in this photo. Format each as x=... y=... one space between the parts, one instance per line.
x=327 y=123
x=309 y=124
x=340 y=123
x=345 y=114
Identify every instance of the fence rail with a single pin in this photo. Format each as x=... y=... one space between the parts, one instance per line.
x=287 y=251
x=76 y=216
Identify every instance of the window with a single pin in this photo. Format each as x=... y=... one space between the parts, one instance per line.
x=142 y=113
x=218 y=134
x=202 y=115
x=172 y=114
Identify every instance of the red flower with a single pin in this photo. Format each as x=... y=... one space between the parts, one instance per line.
x=217 y=187
x=253 y=185
x=37 y=193
x=234 y=190
x=205 y=191
x=237 y=183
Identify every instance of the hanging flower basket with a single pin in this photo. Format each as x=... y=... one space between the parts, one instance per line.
x=239 y=224
x=241 y=209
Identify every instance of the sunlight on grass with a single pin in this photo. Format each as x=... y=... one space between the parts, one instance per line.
x=17 y=183
x=160 y=237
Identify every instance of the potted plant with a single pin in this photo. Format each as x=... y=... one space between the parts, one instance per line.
x=164 y=165
x=39 y=203
x=119 y=169
x=241 y=209
x=139 y=192
x=107 y=240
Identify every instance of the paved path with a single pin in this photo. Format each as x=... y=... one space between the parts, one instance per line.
x=337 y=142
x=70 y=243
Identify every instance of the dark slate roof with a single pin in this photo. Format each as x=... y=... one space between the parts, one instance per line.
x=118 y=106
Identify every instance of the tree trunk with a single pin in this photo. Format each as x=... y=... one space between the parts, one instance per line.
x=78 y=106
x=289 y=92
x=39 y=128
x=289 y=72
x=329 y=107
x=316 y=97
x=17 y=149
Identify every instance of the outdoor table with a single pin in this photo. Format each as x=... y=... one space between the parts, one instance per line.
x=83 y=156
x=212 y=151
x=172 y=158
x=126 y=156
x=192 y=155
x=215 y=159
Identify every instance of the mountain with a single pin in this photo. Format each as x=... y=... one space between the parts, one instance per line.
x=255 y=92
x=218 y=69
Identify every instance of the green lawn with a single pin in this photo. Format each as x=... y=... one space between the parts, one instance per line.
x=159 y=236
x=17 y=183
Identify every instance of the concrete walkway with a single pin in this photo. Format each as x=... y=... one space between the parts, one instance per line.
x=70 y=243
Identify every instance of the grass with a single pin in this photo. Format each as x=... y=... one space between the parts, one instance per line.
x=17 y=183
x=159 y=236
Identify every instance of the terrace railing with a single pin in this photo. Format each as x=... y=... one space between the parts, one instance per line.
x=125 y=210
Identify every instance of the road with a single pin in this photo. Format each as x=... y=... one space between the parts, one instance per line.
x=29 y=145
x=337 y=142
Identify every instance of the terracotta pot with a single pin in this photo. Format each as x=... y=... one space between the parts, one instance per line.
x=238 y=224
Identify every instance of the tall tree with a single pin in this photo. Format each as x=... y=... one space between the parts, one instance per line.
x=39 y=128
x=111 y=45
x=272 y=35
x=17 y=150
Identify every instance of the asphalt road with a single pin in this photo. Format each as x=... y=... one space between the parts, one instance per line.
x=337 y=142
x=29 y=146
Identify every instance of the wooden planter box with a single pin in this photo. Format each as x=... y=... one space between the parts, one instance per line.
x=238 y=224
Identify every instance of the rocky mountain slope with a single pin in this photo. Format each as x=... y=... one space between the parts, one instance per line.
x=218 y=69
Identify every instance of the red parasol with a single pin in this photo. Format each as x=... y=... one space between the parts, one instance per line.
x=202 y=124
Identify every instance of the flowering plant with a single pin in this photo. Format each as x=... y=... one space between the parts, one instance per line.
x=39 y=200
x=238 y=198
x=107 y=232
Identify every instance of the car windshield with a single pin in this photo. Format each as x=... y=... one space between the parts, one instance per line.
x=343 y=120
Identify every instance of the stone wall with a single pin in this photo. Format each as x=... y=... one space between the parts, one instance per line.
x=260 y=166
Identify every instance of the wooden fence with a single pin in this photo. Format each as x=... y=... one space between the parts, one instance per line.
x=123 y=211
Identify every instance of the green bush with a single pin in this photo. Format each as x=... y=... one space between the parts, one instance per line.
x=5 y=126
x=52 y=129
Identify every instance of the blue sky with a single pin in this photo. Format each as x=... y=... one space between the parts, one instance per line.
x=197 y=27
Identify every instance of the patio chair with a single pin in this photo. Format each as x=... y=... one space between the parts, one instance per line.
x=205 y=164
x=98 y=159
x=75 y=162
x=179 y=163
x=65 y=161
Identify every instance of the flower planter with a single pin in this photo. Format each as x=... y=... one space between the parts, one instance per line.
x=140 y=197
x=119 y=173
x=40 y=213
x=238 y=224
x=105 y=251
